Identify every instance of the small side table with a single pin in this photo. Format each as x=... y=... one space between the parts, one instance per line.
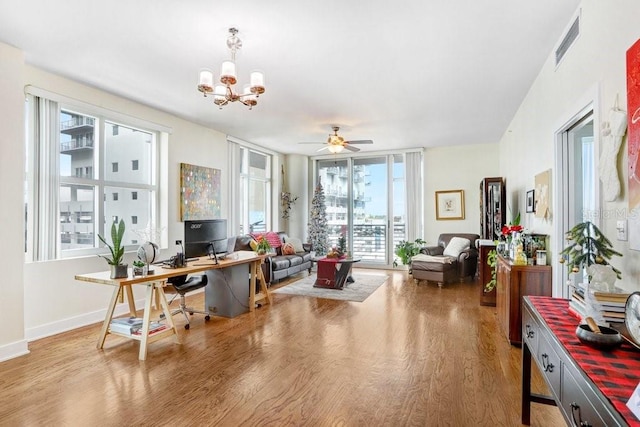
x=334 y=273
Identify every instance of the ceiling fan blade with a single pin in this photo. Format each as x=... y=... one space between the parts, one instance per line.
x=350 y=148
x=323 y=148
x=318 y=142
x=360 y=141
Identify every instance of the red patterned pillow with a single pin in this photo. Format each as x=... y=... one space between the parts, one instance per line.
x=288 y=249
x=273 y=239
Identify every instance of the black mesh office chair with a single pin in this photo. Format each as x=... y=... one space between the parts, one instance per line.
x=182 y=285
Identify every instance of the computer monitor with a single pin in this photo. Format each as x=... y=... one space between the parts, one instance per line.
x=205 y=237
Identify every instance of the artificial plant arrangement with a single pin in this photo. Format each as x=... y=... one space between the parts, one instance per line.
x=262 y=246
x=407 y=250
x=118 y=269
x=588 y=246
x=492 y=259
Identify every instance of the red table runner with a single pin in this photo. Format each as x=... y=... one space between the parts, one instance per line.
x=615 y=372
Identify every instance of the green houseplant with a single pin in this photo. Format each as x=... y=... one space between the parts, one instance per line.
x=118 y=269
x=406 y=250
x=262 y=246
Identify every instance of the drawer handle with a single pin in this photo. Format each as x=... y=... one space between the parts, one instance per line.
x=575 y=408
x=530 y=332
x=548 y=366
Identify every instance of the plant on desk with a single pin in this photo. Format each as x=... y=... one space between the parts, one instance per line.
x=118 y=269
x=263 y=246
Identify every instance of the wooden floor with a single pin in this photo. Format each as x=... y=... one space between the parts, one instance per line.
x=410 y=354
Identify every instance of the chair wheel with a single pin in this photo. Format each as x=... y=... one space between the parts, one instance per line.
x=191 y=313
x=207 y=318
x=162 y=316
x=186 y=326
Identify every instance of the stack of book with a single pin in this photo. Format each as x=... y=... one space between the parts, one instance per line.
x=133 y=326
x=608 y=305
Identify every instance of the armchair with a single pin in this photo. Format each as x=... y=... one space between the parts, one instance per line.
x=454 y=258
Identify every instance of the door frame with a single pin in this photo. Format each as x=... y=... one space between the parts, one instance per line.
x=589 y=102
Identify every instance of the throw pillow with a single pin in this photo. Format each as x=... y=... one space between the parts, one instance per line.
x=297 y=243
x=287 y=249
x=455 y=246
x=274 y=239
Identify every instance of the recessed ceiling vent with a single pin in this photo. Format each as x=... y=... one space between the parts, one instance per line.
x=567 y=41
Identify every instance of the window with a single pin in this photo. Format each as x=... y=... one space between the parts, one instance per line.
x=70 y=210
x=134 y=165
x=251 y=210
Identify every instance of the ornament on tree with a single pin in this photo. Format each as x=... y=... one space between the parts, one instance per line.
x=588 y=246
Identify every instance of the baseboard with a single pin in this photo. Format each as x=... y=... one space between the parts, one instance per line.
x=64 y=325
x=13 y=350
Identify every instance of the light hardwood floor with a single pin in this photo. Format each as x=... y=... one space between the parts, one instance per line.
x=411 y=354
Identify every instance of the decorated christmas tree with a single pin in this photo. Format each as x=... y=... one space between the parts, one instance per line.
x=318 y=236
x=587 y=246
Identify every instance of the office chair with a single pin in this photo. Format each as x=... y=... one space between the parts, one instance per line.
x=182 y=285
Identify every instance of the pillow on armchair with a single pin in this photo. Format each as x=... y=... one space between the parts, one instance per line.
x=455 y=246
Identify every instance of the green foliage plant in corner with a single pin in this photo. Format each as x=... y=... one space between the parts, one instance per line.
x=117 y=249
x=406 y=250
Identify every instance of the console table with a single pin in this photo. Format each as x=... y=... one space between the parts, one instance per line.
x=156 y=282
x=590 y=387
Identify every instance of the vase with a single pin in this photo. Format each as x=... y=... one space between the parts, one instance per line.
x=119 y=271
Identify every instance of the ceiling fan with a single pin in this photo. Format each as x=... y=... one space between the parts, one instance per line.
x=336 y=144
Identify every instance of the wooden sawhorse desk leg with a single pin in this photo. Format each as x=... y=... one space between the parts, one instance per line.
x=109 y=316
x=146 y=318
x=264 y=294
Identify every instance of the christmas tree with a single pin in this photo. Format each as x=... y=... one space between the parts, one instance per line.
x=318 y=236
x=587 y=246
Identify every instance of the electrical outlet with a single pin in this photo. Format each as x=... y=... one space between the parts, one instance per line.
x=621 y=228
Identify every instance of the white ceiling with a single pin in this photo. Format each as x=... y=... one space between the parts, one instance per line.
x=411 y=73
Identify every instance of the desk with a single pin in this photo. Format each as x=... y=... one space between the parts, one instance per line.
x=156 y=282
x=589 y=386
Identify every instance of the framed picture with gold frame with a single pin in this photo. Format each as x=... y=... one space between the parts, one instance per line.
x=450 y=204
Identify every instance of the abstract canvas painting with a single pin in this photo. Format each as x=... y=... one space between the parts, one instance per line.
x=199 y=192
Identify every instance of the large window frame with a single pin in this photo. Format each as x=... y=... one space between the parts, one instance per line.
x=44 y=231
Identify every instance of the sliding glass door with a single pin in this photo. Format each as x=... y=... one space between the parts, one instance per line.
x=361 y=195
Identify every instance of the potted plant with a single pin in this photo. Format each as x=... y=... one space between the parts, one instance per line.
x=588 y=247
x=262 y=246
x=138 y=268
x=118 y=269
x=407 y=250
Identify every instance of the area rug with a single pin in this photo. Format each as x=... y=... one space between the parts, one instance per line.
x=364 y=285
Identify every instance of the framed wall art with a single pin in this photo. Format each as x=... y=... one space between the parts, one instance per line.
x=531 y=206
x=199 y=192
x=450 y=204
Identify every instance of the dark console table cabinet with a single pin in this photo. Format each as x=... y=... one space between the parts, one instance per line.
x=589 y=386
x=512 y=283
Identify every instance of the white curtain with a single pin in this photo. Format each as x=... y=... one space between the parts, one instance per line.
x=414 y=191
x=46 y=140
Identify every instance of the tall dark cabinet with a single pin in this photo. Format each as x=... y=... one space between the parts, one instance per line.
x=492 y=207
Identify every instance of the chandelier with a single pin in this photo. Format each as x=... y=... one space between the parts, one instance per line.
x=224 y=93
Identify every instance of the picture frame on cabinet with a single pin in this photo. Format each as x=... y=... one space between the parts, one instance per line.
x=531 y=206
x=449 y=204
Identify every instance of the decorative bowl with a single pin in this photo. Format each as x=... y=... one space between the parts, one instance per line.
x=607 y=340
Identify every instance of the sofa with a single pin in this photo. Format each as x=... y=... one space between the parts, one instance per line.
x=281 y=265
x=454 y=258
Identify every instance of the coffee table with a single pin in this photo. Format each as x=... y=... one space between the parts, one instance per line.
x=334 y=273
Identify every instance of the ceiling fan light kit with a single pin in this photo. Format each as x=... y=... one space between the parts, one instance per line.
x=224 y=93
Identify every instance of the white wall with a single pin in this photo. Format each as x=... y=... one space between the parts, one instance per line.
x=54 y=301
x=297 y=172
x=594 y=68
x=460 y=167
x=12 y=162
